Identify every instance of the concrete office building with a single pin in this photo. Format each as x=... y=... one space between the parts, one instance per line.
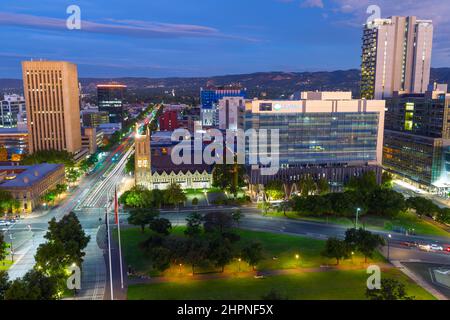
x=324 y=135
x=396 y=56
x=417 y=138
x=12 y=108
x=209 y=99
x=53 y=106
x=231 y=113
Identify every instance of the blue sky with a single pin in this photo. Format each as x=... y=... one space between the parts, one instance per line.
x=161 y=38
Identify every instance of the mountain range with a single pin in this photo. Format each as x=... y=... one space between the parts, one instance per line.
x=265 y=84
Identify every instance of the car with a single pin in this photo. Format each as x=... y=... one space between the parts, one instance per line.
x=424 y=247
x=408 y=244
x=3 y=223
x=436 y=247
x=447 y=249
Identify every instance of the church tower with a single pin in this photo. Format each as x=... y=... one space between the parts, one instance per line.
x=143 y=159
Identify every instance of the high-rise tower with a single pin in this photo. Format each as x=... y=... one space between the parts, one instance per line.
x=53 y=105
x=396 y=56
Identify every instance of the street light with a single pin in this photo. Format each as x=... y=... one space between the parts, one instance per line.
x=239 y=264
x=357 y=214
x=297 y=257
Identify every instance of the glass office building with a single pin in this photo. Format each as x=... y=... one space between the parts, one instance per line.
x=111 y=99
x=417 y=138
x=323 y=135
x=321 y=138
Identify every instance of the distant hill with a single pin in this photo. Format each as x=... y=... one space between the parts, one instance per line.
x=269 y=84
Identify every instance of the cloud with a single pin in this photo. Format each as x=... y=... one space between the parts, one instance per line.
x=312 y=4
x=132 y=28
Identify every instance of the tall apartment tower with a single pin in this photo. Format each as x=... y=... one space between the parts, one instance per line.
x=53 y=107
x=143 y=159
x=396 y=56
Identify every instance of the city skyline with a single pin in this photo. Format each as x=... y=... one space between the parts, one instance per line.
x=167 y=39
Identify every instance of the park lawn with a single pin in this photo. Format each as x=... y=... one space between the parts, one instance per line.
x=279 y=253
x=5 y=265
x=330 y=285
x=407 y=220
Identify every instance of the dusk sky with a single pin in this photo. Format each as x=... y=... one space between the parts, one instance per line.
x=162 y=38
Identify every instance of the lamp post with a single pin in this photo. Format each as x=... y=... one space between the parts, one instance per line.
x=357 y=214
x=388 y=253
x=239 y=264
x=297 y=257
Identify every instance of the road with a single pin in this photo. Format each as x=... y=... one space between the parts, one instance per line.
x=88 y=200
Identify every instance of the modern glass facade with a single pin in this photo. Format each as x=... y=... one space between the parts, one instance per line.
x=110 y=99
x=321 y=138
x=417 y=138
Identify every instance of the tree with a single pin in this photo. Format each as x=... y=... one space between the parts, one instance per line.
x=197 y=252
x=391 y=289
x=237 y=216
x=422 y=206
x=217 y=222
x=443 y=216
x=221 y=252
x=140 y=197
x=229 y=177
x=141 y=217
x=174 y=195
x=308 y=186
x=35 y=285
x=275 y=190
x=3 y=247
x=72 y=175
x=364 y=184
x=60 y=188
x=195 y=202
x=194 y=225
x=50 y=156
x=386 y=180
x=386 y=202
x=161 y=226
x=337 y=249
x=7 y=202
x=252 y=254
x=323 y=187
x=70 y=233
x=363 y=241
x=4 y=284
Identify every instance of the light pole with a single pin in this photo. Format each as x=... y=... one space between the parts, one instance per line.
x=297 y=257
x=388 y=253
x=357 y=214
x=239 y=260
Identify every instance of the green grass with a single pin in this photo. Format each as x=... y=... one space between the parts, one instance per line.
x=332 y=285
x=406 y=220
x=283 y=247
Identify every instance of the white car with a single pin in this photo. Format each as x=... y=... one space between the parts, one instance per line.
x=425 y=247
x=436 y=247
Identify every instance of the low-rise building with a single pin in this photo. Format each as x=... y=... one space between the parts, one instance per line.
x=28 y=184
x=15 y=141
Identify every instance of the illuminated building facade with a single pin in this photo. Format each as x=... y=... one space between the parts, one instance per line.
x=110 y=99
x=417 y=138
x=396 y=56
